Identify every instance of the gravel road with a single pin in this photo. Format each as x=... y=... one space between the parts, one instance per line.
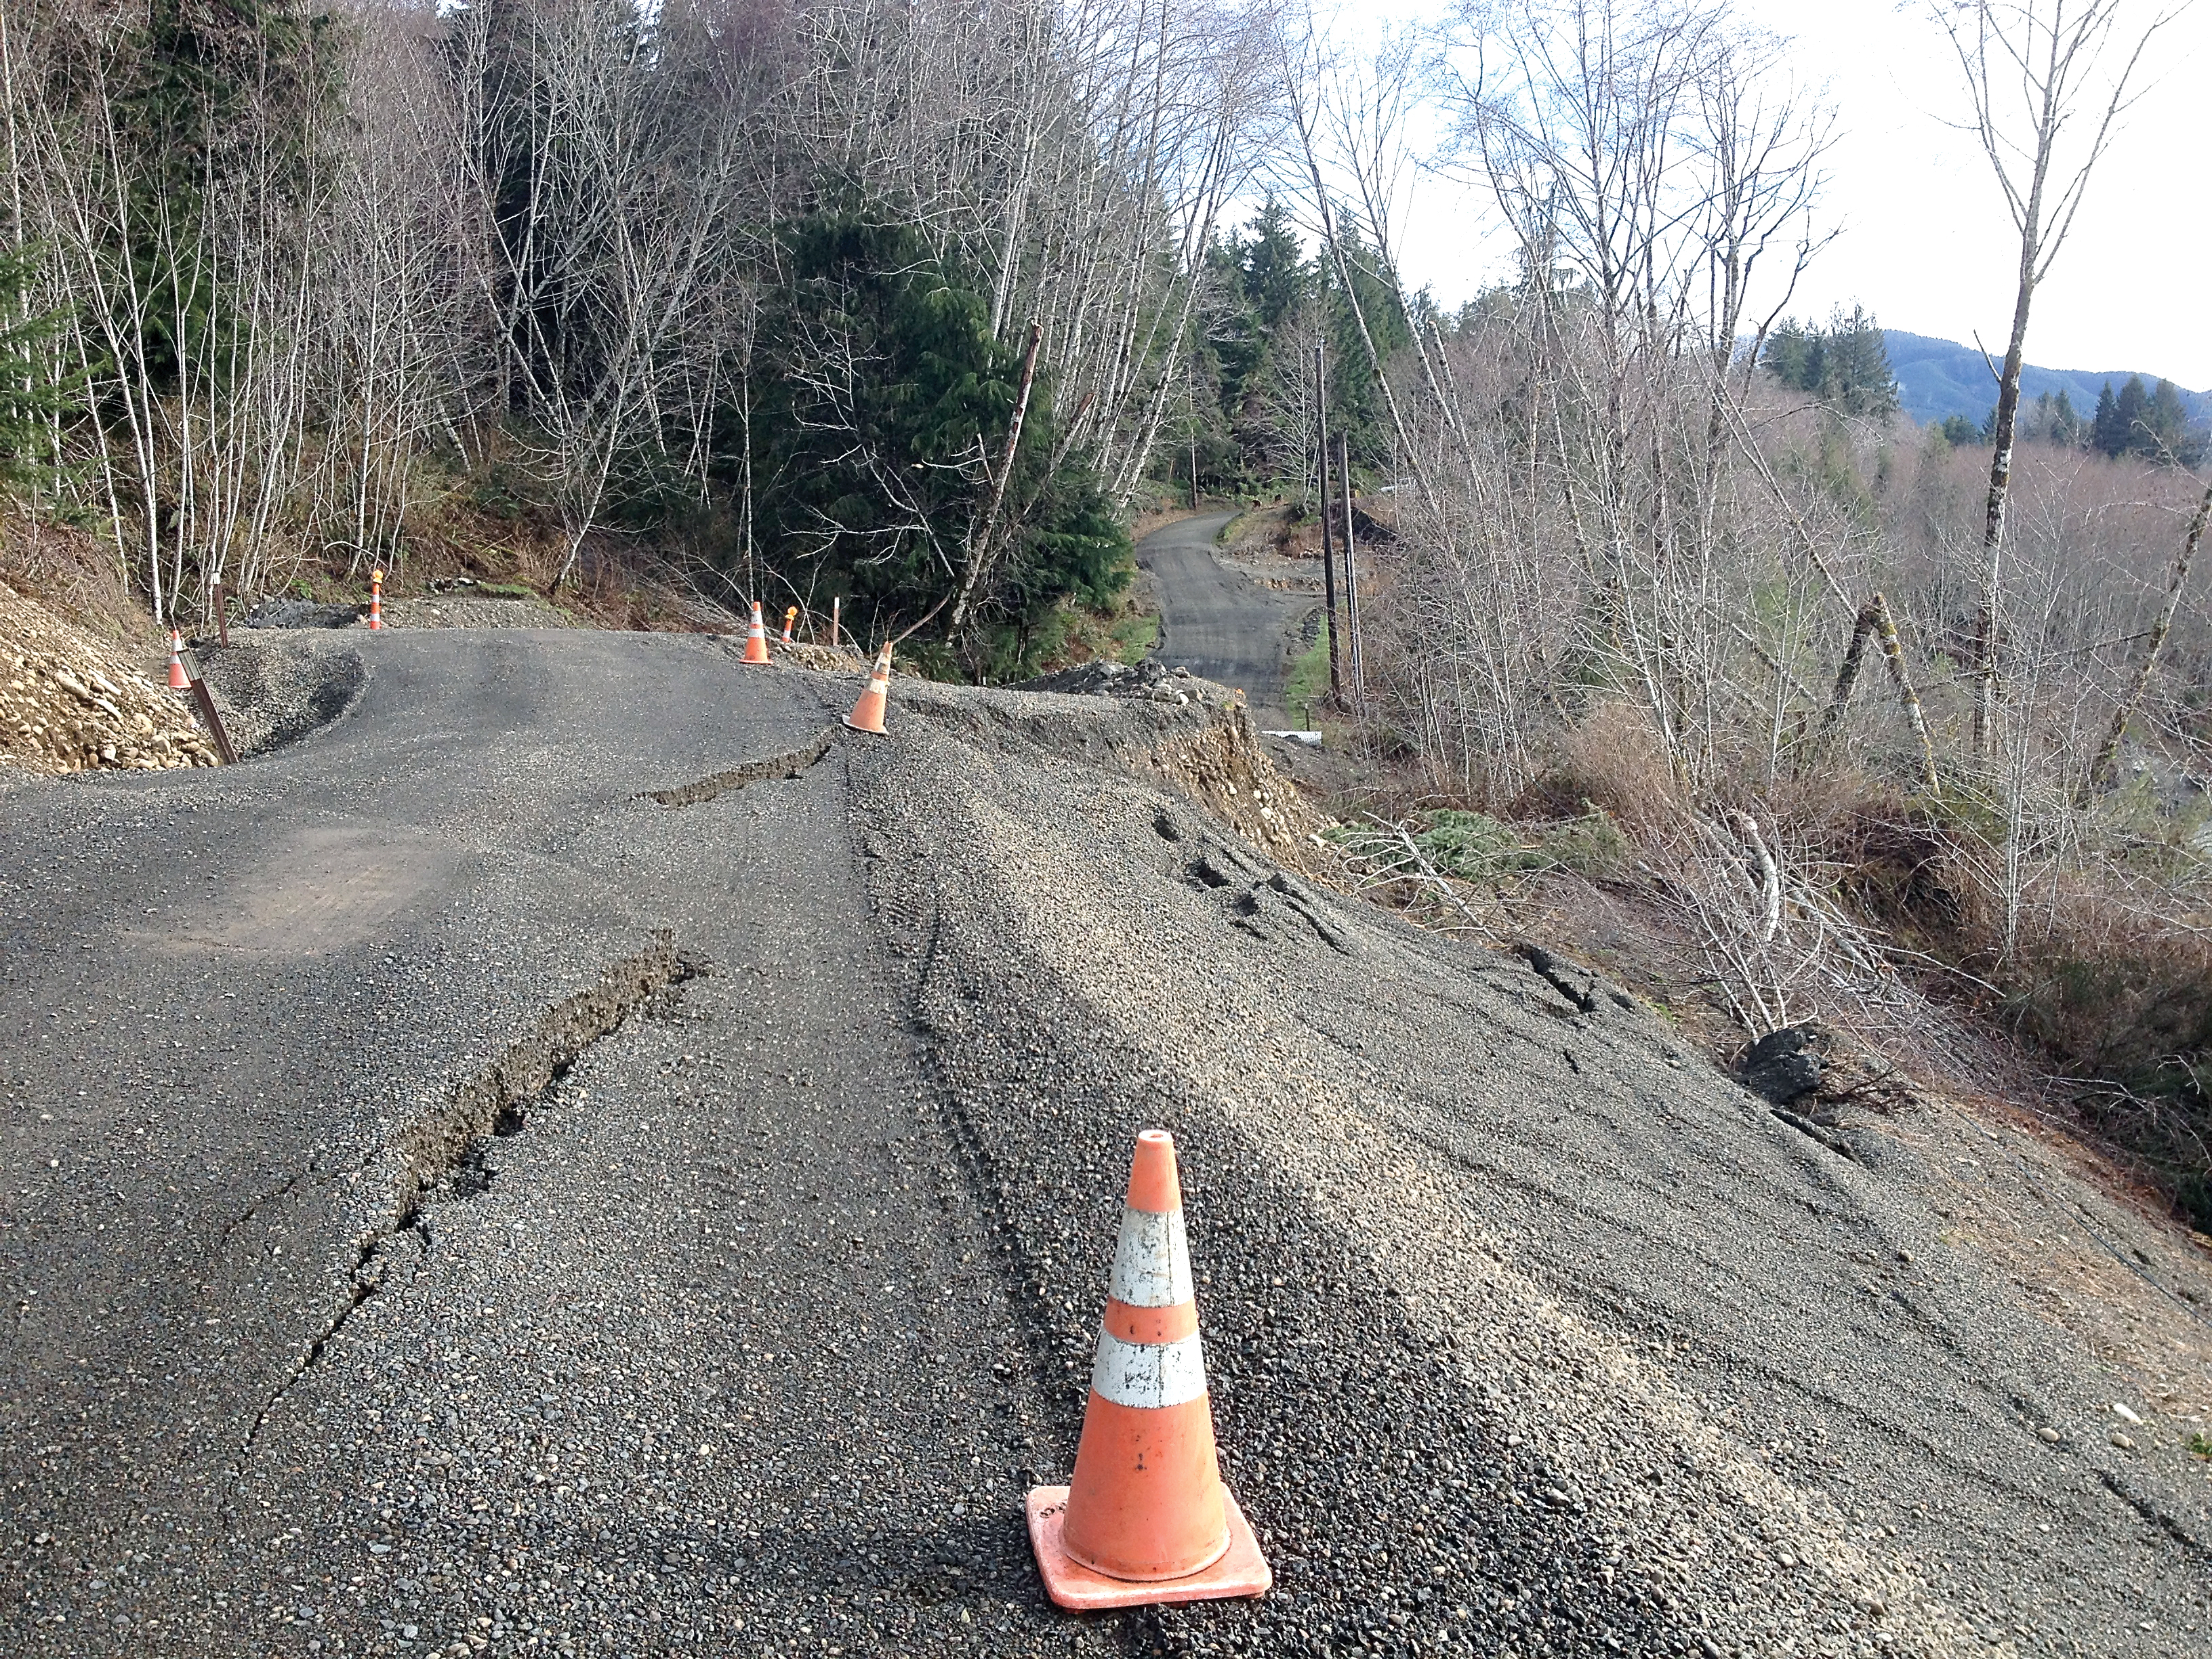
x=457 y=1203
x=1216 y=622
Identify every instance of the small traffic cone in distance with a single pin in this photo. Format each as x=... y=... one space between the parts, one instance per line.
x=177 y=679
x=867 y=714
x=756 y=638
x=790 y=618
x=376 y=600
x=1146 y=1518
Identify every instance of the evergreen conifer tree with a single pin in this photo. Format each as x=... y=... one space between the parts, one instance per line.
x=31 y=391
x=2106 y=434
x=2065 y=422
x=2165 y=433
x=2130 y=419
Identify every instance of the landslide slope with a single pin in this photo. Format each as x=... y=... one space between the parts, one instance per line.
x=1528 y=1330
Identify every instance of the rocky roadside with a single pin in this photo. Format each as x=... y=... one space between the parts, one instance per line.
x=71 y=702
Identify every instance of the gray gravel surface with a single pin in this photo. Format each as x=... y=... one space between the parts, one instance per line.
x=273 y=686
x=1215 y=621
x=774 y=1284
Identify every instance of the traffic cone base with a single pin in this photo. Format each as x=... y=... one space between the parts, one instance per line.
x=1240 y=1570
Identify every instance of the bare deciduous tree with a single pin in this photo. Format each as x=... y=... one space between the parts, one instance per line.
x=2047 y=81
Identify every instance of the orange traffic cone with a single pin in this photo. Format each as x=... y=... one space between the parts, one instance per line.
x=178 y=680
x=1146 y=1518
x=867 y=714
x=376 y=598
x=756 y=638
x=790 y=616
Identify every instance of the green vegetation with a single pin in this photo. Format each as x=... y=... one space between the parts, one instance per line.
x=2139 y=420
x=1845 y=365
x=870 y=484
x=1308 y=679
x=1249 y=411
x=35 y=393
x=1479 y=847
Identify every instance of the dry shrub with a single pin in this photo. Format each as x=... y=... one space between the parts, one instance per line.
x=2121 y=1002
x=2108 y=989
x=73 y=573
x=1611 y=759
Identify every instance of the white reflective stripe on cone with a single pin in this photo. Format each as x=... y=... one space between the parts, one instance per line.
x=1152 y=1260
x=1148 y=1376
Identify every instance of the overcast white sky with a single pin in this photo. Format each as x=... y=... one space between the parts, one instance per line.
x=1927 y=244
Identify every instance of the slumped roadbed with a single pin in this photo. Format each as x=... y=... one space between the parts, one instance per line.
x=458 y=1204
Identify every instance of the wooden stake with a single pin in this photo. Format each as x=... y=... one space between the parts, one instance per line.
x=1327 y=549
x=1351 y=575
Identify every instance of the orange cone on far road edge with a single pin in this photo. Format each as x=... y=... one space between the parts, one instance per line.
x=178 y=681
x=756 y=638
x=790 y=619
x=1146 y=1518
x=867 y=714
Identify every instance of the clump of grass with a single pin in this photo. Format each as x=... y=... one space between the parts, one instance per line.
x=1476 y=847
x=1308 y=679
x=2200 y=1443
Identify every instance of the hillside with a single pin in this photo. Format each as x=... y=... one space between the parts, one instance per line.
x=1937 y=379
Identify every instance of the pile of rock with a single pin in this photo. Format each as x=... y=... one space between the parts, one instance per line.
x=1149 y=681
x=69 y=703
x=301 y=613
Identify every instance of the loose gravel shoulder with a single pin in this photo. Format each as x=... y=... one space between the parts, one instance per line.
x=275 y=686
x=564 y=1162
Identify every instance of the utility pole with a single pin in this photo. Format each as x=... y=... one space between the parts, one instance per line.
x=1351 y=576
x=1327 y=549
x=1190 y=397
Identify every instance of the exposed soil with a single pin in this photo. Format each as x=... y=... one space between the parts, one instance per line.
x=70 y=702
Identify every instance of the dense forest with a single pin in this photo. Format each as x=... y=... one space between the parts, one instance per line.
x=873 y=302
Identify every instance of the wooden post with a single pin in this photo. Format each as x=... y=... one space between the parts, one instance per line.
x=1327 y=550
x=221 y=618
x=837 y=618
x=1351 y=575
x=209 y=719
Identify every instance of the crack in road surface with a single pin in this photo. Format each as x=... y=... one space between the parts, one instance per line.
x=789 y=764
x=437 y=1143
x=448 y=1142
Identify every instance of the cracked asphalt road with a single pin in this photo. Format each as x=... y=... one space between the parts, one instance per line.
x=1216 y=622
x=746 y=1330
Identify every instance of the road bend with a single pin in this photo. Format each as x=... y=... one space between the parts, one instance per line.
x=293 y=1362
x=1216 y=621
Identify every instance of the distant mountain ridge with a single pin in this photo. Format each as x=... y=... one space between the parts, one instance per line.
x=1937 y=379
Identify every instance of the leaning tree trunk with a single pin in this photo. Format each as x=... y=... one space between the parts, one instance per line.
x=980 y=540
x=1993 y=520
x=2100 y=769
